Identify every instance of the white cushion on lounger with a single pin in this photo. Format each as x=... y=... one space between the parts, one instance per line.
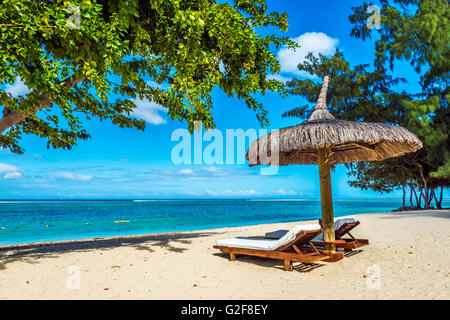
x=247 y=243
x=338 y=223
x=267 y=244
x=280 y=233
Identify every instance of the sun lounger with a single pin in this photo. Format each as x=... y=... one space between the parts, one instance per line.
x=342 y=227
x=295 y=245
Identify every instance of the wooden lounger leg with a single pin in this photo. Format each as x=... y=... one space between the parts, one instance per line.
x=335 y=257
x=287 y=265
x=232 y=256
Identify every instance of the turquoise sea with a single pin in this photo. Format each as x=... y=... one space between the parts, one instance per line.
x=36 y=221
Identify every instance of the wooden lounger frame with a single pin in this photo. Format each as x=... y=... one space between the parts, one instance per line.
x=349 y=243
x=301 y=249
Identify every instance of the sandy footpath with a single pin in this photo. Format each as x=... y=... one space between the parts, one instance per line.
x=407 y=258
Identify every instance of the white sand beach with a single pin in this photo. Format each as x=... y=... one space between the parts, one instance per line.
x=408 y=250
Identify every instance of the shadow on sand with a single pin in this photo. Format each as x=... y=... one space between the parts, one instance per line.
x=351 y=253
x=30 y=253
x=272 y=263
x=435 y=213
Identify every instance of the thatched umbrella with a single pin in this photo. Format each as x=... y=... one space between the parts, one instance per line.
x=325 y=141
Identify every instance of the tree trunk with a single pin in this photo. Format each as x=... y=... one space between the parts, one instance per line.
x=433 y=196
x=425 y=192
x=439 y=202
x=404 y=196
x=415 y=195
x=410 y=196
x=326 y=197
x=421 y=195
x=11 y=118
x=419 y=203
x=426 y=198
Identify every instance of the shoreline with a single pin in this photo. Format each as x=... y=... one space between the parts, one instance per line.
x=175 y=233
x=137 y=235
x=29 y=224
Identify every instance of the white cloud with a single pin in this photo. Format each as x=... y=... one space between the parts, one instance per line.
x=315 y=42
x=154 y=84
x=72 y=176
x=11 y=172
x=190 y=193
x=186 y=171
x=5 y=168
x=212 y=169
x=238 y=193
x=204 y=173
x=12 y=175
x=148 y=111
x=18 y=88
x=278 y=77
x=285 y=192
x=221 y=67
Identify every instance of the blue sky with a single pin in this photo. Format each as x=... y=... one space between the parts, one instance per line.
x=126 y=163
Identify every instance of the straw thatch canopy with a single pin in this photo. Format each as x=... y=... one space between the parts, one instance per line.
x=349 y=141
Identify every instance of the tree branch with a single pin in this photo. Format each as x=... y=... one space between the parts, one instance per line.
x=13 y=118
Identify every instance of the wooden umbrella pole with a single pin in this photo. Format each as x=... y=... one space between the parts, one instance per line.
x=326 y=197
